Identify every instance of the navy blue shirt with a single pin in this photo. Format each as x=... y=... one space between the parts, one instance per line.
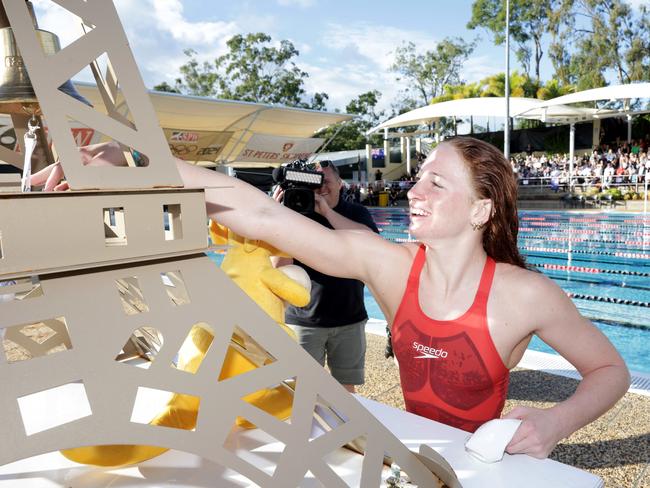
x=334 y=301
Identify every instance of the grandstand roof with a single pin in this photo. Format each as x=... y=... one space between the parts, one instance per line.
x=243 y=119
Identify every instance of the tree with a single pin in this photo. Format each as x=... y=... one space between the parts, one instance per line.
x=166 y=87
x=457 y=92
x=558 y=49
x=352 y=134
x=428 y=73
x=252 y=70
x=611 y=40
x=520 y=85
x=528 y=24
x=553 y=89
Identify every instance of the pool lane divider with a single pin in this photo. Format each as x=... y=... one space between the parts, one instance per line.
x=619 y=301
x=583 y=269
x=634 y=255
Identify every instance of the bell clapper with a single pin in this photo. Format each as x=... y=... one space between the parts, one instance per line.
x=30 y=144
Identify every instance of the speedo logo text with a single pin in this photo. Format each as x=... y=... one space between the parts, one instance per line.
x=428 y=352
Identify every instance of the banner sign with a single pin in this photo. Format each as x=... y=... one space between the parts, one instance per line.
x=196 y=145
x=273 y=149
x=82 y=135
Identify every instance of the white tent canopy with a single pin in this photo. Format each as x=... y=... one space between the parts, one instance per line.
x=466 y=107
x=614 y=92
x=529 y=108
x=243 y=119
x=556 y=110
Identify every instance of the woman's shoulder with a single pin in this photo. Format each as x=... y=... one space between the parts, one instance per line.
x=522 y=284
x=410 y=249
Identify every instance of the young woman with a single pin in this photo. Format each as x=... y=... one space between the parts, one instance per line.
x=460 y=301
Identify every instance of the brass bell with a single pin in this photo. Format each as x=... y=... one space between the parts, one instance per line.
x=17 y=97
x=16 y=91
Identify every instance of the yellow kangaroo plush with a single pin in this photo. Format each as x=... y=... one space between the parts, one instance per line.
x=248 y=263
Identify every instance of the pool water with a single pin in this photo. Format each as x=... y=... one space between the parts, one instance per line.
x=602 y=260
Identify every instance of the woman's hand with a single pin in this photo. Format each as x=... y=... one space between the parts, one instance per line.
x=51 y=176
x=538 y=433
x=102 y=154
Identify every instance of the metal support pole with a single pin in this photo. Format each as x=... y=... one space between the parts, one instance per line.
x=506 y=132
x=386 y=149
x=408 y=157
x=645 y=197
x=368 y=164
x=572 y=143
x=629 y=129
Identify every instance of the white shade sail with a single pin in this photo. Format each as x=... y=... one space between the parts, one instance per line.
x=529 y=108
x=614 y=92
x=466 y=107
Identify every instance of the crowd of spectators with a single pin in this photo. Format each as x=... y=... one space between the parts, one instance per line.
x=608 y=165
x=368 y=193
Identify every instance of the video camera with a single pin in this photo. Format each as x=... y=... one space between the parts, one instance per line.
x=298 y=180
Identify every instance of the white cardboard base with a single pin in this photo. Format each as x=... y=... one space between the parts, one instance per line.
x=182 y=470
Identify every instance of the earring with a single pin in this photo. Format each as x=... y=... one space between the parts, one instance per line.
x=476 y=226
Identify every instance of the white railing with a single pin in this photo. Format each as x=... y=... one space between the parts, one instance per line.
x=544 y=183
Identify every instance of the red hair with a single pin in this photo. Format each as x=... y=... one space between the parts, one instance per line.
x=493 y=178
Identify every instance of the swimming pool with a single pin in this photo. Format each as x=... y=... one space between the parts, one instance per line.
x=602 y=260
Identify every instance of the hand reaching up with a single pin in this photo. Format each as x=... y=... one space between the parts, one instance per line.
x=102 y=154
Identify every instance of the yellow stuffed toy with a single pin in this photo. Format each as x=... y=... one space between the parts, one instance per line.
x=248 y=263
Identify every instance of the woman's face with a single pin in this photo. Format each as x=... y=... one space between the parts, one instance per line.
x=440 y=202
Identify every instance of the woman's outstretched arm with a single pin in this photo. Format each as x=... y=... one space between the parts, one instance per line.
x=252 y=213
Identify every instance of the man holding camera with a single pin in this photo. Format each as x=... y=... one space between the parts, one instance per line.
x=333 y=324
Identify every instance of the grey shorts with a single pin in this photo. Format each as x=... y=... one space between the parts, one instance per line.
x=344 y=346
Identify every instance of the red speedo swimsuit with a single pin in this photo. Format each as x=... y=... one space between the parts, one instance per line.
x=449 y=369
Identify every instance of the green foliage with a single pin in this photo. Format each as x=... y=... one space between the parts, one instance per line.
x=553 y=89
x=253 y=70
x=427 y=73
x=457 y=92
x=166 y=87
x=528 y=24
x=521 y=85
x=611 y=39
x=615 y=193
x=351 y=134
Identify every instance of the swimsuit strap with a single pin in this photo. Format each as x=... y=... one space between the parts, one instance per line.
x=484 y=286
x=416 y=268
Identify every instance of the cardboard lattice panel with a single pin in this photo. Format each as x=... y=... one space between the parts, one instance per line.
x=48 y=73
x=98 y=328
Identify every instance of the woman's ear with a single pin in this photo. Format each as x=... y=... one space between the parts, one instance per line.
x=482 y=211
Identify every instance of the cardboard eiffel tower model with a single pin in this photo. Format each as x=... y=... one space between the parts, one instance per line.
x=123 y=252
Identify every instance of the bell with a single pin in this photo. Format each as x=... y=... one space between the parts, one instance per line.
x=17 y=96
x=16 y=91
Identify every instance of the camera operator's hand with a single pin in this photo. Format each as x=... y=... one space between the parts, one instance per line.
x=278 y=194
x=320 y=205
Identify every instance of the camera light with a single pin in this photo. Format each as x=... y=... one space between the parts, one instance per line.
x=306 y=177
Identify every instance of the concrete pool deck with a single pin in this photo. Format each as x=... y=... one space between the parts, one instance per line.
x=615 y=447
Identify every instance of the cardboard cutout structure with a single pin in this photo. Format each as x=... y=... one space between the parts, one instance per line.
x=66 y=260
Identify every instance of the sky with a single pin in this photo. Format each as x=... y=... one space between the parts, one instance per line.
x=346 y=47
